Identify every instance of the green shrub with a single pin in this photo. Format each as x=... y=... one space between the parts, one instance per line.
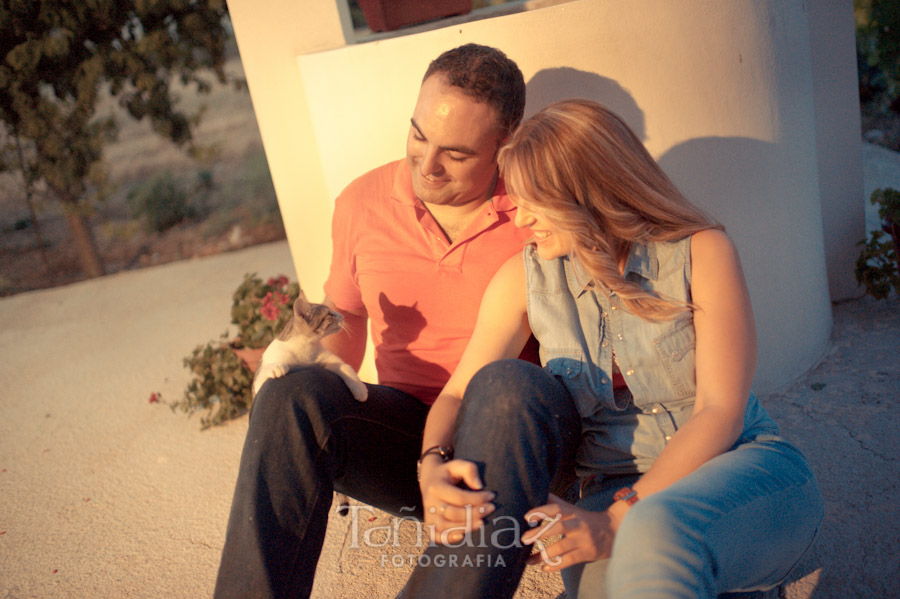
x=222 y=383
x=162 y=201
x=878 y=267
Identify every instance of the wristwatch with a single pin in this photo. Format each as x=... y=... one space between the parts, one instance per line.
x=446 y=454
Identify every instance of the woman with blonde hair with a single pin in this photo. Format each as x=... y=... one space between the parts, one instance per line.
x=682 y=486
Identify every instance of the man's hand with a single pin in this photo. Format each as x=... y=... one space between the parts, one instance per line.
x=586 y=536
x=450 y=511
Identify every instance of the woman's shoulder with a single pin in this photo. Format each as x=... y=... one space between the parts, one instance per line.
x=711 y=244
x=514 y=263
x=713 y=256
x=507 y=288
x=511 y=273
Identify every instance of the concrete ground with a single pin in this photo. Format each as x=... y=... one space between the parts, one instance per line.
x=105 y=494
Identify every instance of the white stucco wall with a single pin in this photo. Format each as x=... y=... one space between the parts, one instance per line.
x=838 y=140
x=721 y=92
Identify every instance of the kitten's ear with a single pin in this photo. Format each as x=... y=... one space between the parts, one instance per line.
x=301 y=306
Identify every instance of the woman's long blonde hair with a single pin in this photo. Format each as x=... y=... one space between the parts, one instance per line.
x=582 y=168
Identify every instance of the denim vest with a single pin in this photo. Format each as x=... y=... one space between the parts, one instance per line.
x=579 y=327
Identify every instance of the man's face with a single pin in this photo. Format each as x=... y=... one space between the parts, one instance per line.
x=452 y=146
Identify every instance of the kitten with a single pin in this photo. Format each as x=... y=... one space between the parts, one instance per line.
x=299 y=344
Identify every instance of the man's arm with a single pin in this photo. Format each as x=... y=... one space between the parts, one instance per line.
x=350 y=344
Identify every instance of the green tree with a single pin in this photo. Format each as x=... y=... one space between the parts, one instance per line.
x=56 y=59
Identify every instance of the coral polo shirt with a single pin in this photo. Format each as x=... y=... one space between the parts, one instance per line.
x=421 y=292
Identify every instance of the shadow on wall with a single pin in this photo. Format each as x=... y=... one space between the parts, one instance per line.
x=551 y=85
x=722 y=175
x=729 y=177
x=726 y=176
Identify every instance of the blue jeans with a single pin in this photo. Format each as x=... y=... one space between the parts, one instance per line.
x=520 y=426
x=740 y=522
x=307 y=438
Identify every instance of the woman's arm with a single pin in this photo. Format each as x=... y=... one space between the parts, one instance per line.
x=501 y=331
x=725 y=363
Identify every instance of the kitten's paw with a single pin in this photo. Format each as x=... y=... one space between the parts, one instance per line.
x=278 y=370
x=343 y=504
x=358 y=389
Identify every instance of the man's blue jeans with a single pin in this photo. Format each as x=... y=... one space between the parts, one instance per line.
x=307 y=438
x=740 y=522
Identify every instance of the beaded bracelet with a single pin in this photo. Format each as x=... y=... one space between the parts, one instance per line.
x=626 y=494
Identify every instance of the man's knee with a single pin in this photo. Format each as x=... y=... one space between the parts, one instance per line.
x=310 y=390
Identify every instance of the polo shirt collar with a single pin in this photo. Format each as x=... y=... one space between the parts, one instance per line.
x=403 y=190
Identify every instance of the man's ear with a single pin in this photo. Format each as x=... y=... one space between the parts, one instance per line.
x=500 y=144
x=501 y=141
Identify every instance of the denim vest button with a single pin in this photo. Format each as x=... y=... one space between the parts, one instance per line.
x=630 y=372
x=668 y=437
x=619 y=337
x=604 y=380
x=655 y=410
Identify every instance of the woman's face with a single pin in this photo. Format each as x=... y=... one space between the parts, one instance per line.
x=550 y=240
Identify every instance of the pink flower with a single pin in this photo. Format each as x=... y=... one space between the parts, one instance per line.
x=277 y=282
x=154 y=398
x=269 y=309
x=281 y=299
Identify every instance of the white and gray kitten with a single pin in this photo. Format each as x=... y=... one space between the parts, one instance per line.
x=300 y=344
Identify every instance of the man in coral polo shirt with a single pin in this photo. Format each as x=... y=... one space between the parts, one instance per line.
x=415 y=243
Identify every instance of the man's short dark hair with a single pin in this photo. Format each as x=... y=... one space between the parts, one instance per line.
x=487 y=75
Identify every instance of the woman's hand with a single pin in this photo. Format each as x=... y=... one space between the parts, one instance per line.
x=586 y=536
x=450 y=511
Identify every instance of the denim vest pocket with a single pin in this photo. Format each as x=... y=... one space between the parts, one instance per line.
x=568 y=365
x=676 y=353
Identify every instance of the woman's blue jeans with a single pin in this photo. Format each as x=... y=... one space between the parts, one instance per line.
x=520 y=426
x=740 y=522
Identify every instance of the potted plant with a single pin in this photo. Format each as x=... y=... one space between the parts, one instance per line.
x=878 y=265
x=223 y=370
x=387 y=15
